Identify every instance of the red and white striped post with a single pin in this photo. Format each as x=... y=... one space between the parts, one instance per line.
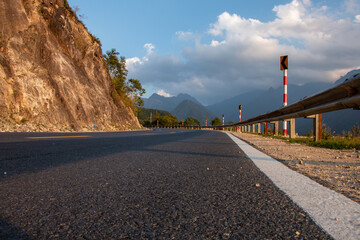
x=223 y=120
x=239 y=116
x=284 y=68
x=205 y=122
x=239 y=113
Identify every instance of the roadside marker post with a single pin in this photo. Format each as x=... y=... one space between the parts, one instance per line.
x=266 y=128
x=240 y=113
x=318 y=127
x=205 y=122
x=239 y=129
x=284 y=68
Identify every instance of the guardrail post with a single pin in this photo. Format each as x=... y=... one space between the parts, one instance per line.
x=276 y=128
x=266 y=128
x=292 y=128
x=317 y=127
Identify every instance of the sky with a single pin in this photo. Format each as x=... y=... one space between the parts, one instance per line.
x=214 y=50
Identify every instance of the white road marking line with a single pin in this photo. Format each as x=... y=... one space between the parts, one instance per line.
x=338 y=215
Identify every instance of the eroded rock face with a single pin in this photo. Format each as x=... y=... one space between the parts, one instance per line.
x=52 y=73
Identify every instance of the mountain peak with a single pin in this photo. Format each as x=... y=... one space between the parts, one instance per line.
x=347 y=76
x=156 y=101
x=189 y=108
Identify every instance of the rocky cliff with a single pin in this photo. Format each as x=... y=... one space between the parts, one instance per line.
x=52 y=73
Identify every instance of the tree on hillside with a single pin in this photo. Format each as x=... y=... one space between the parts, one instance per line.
x=169 y=120
x=216 y=122
x=134 y=88
x=117 y=70
x=126 y=89
x=191 y=121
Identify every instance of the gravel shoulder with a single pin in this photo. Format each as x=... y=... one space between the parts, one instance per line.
x=338 y=170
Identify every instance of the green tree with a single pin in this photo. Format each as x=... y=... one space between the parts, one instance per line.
x=129 y=90
x=135 y=90
x=355 y=131
x=169 y=120
x=216 y=122
x=191 y=121
x=117 y=70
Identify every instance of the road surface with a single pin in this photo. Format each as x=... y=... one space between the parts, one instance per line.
x=162 y=184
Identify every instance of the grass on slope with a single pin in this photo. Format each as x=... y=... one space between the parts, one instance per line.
x=332 y=143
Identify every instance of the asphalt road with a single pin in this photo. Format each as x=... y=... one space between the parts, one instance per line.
x=163 y=184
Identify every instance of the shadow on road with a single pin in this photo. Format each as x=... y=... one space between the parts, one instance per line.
x=32 y=156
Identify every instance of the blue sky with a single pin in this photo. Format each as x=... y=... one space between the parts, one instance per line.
x=129 y=24
x=214 y=50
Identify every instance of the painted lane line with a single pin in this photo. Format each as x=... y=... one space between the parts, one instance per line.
x=51 y=137
x=336 y=214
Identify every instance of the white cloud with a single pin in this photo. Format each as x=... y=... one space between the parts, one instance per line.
x=291 y=13
x=149 y=47
x=215 y=43
x=352 y=6
x=243 y=53
x=133 y=63
x=163 y=93
x=357 y=19
x=185 y=36
x=307 y=2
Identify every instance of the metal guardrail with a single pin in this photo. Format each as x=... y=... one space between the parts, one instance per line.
x=343 y=96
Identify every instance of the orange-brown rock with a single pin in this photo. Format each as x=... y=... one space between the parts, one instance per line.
x=52 y=72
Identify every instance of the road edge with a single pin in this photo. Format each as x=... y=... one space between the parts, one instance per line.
x=338 y=215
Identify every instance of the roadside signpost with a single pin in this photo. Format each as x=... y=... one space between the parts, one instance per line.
x=284 y=68
x=240 y=113
x=239 y=116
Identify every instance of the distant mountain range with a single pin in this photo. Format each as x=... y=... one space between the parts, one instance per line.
x=182 y=106
x=188 y=108
x=156 y=101
x=255 y=103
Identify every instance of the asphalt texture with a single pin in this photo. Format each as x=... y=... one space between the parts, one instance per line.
x=163 y=184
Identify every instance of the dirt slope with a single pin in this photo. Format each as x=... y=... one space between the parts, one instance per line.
x=52 y=73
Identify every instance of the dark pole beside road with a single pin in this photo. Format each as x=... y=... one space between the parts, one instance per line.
x=163 y=184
